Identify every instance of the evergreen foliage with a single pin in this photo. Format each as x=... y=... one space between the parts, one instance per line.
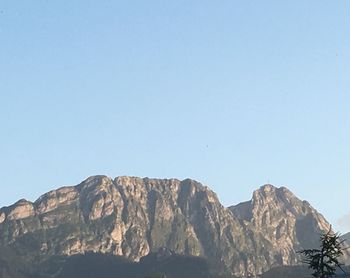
x=324 y=261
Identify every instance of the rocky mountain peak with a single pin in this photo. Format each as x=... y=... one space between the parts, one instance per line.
x=286 y=222
x=21 y=209
x=269 y=192
x=267 y=188
x=279 y=199
x=132 y=217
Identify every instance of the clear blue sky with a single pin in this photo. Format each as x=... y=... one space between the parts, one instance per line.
x=231 y=93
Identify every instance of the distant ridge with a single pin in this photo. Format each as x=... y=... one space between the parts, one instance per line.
x=131 y=217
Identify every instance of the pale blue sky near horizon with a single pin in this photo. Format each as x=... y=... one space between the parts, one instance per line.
x=234 y=94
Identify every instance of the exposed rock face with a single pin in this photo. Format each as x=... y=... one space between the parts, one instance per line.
x=285 y=223
x=2 y=217
x=131 y=217
x=345 y=237
x=22 y=209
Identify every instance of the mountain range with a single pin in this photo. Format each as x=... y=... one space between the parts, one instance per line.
x=131 y=218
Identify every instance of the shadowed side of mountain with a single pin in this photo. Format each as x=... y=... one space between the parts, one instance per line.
x=287 y=272
x=97 y=265
x=11 y=266
x=346 y=237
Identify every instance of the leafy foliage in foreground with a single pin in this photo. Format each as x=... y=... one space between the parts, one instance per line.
x=325 y=261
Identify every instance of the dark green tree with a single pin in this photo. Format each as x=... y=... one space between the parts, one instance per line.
x=325 y=261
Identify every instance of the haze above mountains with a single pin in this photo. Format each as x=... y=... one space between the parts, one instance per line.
x=133 y=217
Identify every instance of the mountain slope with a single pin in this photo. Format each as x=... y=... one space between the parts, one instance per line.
x=277 y=216
x=131 y=217
x=158 y=264
x=346 y=237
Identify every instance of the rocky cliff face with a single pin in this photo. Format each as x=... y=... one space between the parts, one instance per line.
x=287 y=225
x=131 y=217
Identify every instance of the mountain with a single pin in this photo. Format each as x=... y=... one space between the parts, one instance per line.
x=132 y=217
x=287 y=224
x=346 y=237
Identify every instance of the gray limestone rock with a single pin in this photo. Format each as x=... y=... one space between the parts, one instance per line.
x=131 y=217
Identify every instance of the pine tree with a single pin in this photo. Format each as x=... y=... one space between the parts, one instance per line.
x=325 y=261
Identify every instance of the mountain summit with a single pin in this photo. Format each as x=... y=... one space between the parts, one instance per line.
x=132 y=217
x=287 y=223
